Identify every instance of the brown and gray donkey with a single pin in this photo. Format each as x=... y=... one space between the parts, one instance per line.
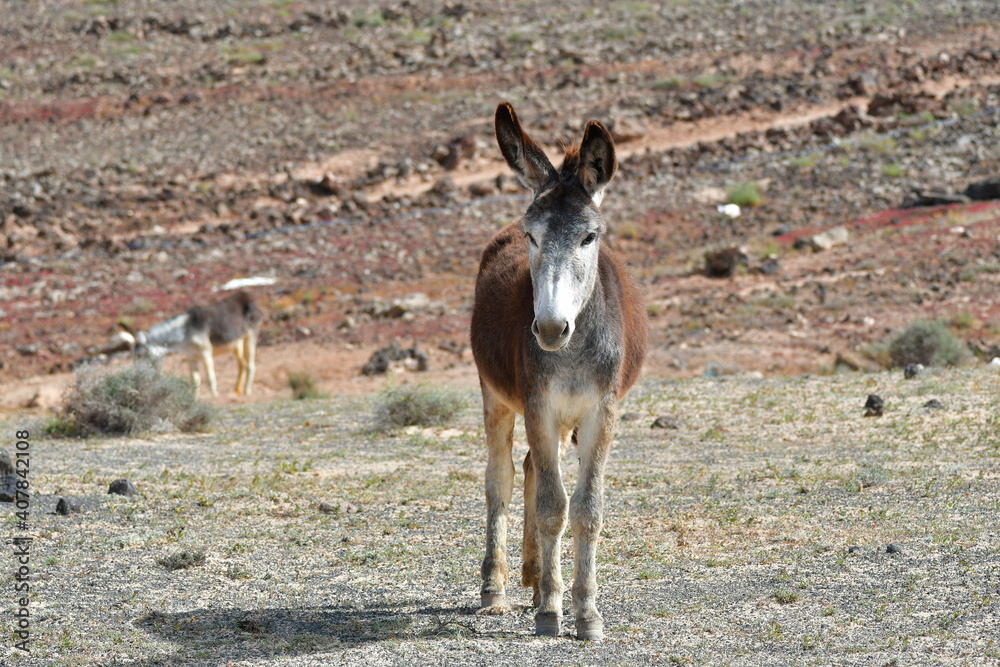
x=559 y=335
x=203 y=331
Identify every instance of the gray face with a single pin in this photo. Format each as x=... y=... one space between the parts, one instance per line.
x=145 y=349
x=564 y=230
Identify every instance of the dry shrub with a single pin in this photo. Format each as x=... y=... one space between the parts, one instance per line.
x=927 y=343
x=134 y=399
x=422 y=405
x=303 y=386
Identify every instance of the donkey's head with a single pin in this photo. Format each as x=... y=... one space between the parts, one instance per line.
x=146 y=349
x=563 y=224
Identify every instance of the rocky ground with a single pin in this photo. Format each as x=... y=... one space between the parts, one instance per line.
x=152 y=152
x=769 y=523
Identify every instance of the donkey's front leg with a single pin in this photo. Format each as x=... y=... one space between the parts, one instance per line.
x=550 y=517
x=499 y=421
x=586 y=515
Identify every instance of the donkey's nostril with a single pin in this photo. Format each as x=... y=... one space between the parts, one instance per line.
x=565 y=331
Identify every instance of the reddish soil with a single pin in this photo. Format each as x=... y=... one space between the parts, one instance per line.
x=153 y=153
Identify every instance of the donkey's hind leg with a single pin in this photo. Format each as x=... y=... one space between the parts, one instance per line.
x=499 y=419
x=193 y=361
x=241 y=377
x=206 y=357
x=586 y=514
x=249 y=354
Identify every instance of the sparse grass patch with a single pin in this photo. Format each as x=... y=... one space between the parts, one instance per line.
x=747 y=193
x=786 y=596
x=867 y=476
x=367 y=17
x=892 y=170
x=669 y=83
x=712 y=80
x=877 y=144
x=807 y=161
x=131 y=400
x=303 y=386
x=420 y=405
x=182 y=560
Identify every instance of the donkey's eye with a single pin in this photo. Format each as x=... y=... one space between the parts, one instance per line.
x=589 y=239
x=531 y=239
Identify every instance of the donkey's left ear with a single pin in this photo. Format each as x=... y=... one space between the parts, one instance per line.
x=597 y=160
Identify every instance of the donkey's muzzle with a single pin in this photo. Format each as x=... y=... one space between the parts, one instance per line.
x=552 y=333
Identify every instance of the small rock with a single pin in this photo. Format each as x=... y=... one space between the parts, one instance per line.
x=912 y=370
x=6 y=464
x=28 y=349
x=67 y=506
x=769 y=266
x=893 y=549
x=984 y=190
x=874 y=406
x=382 y=360
x=853 y=550
x=666 y=421
x=414 y=303
x=995 y=362
x=863 y=83
x=484 y=189
x=630 y=417
x=624 y=129
x=338 y=507
x=723 y=263
x=729 y=210
x=8 y=488
x=934 y=404
x=829 y=238
x=122 y=487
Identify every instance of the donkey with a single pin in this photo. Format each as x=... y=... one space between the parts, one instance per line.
x=559 y=336
x=203 y=331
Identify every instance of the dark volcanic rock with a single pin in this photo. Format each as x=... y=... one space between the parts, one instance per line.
x=666 y=421
x=723 y=263
x=874 y=406
x=122 y=487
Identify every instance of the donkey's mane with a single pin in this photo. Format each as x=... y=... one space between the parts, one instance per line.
x=571 y=163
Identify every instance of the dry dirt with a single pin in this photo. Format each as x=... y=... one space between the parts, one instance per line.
x=757 y=531
x=151 y=153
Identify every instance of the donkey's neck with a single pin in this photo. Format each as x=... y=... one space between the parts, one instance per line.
x=169 y=333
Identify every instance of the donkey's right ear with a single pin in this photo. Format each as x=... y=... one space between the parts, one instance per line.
x=525 y=157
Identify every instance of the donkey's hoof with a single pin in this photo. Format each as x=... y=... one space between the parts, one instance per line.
x=589 y=630
x=547 y=625
x=492 y=600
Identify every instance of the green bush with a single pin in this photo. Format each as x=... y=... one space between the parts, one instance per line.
x=303 y=386
x=422 y=405
x=131 y=400
x=745 y=194
x=927 y=343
